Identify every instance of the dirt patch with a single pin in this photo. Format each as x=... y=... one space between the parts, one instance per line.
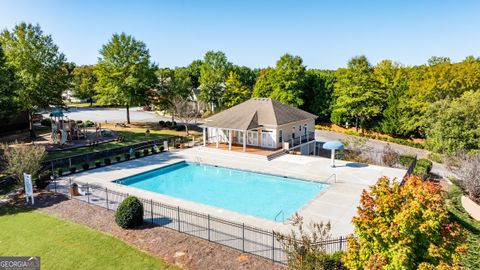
x=176 y=248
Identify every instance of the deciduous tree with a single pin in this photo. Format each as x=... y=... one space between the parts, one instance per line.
x=84 y=80
x=403 y=227
x=235 y=91
x=124 y=72
x=8 y=106
x=40 y=68
x=213 y=73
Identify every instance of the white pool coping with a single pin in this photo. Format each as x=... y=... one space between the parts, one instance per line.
x=336 y=203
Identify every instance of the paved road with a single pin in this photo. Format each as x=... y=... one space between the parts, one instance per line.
x=113 y=115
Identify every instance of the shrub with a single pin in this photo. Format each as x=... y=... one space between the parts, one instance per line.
x=174 y=124
x=98 y=164
x=168 y=123
x=406 y=160
x=43 y=179
x=467 y=167
x=107 y=161
x=161 y=123
x=127 y=156
x=137 y=154
x=47 y=122
x=162 y=148
x=85 y=166
x=60 y=171
x=435 y=157
x=129 y=213
x=79 y=122
x=118 y=158
x=301 y=246
x=422 y=168
x=89 y=123
x=73 y=169
x=389 y=156
x=145 y=152
x=22 y=159
x=180 y=128
x=403 y=227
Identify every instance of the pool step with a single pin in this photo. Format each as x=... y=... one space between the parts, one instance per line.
x=276 y=154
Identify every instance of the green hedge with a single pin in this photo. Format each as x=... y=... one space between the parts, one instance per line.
x=406 y=160
x=423 y=168
x=129 y=213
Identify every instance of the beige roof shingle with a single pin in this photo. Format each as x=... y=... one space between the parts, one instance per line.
x=257 y=112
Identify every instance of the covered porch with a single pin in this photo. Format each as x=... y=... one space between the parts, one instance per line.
x=256 y=140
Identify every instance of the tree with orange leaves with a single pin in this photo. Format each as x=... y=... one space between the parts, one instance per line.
x=403 y=227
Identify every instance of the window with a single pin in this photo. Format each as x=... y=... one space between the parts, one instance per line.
x=305 y=129
x=280 y=135
x=293 y=132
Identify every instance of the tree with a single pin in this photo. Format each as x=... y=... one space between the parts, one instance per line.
x=22 y=158
x=8 y=106
x=317 y=96
x=213 y=74
x=124 y=72
x=84 y=80
x=467 y=168
x=172 y=84
x=392 y=79
x=289 y=80
x=454 y=125
x=194 y=72
x=246 y=75
x=235 y=91
x=435 y=60
x=403 y=227
x=185 y=110
x=39 y=67
x=264 y=84
x=358 y=95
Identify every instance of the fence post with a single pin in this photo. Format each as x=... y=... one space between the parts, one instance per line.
x=106 y=197
x=88 y=193
x=208 y=226
x=341 y=242
x=178 y=217
x=243 y=237
x=69 y=186
x=151 y=209
x=55 y=184
x=273 y=246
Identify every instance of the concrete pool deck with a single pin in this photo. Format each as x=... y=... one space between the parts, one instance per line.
x=336 y=203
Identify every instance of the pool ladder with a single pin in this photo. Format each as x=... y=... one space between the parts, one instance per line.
x=334 y=176
x=280 y=213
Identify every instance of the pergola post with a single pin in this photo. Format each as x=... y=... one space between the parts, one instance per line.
x=230 y=139
x=333 y=159
x=244 y=140
x=218 y=137
x=204 y=137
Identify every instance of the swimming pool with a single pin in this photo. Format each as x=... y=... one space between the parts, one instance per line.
x=250 y=193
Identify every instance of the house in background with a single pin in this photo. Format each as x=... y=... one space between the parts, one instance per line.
x=261 y=122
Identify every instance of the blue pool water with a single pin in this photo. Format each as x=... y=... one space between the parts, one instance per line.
x=255 y=194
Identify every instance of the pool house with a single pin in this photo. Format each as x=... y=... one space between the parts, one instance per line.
x=260 y=123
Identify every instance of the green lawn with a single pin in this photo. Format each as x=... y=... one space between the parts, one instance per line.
x=65 y=245
x=471 y=259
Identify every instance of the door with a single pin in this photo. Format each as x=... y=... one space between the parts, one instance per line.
x=267 y=138
x=252 y=138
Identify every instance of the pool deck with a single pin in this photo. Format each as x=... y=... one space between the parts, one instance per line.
x=337 y=203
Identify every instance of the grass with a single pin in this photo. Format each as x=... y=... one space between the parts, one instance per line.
x=65 y=245
x=470 y=259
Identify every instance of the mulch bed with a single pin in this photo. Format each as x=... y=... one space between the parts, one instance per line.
x=176 y=248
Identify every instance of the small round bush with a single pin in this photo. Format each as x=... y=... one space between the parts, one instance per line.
x=60 y=172
x=107 y=161
x=85 y=166
x=118 y=158
x=129 y=213
x=145 y=152
x=73 y=169
x=137 y=154
x=127 y=156
x=162 y=148
x=168 y=123
x=98 y=164
x=161 y=123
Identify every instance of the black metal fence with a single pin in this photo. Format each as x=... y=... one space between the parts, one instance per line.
x=239 y=236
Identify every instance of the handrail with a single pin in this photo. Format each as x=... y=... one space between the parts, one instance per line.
x=334 y=178
x=283 y=215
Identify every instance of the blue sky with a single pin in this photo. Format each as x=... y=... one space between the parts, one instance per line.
x=256 y=33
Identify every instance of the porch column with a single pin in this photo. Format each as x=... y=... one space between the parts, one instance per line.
x=244 y=140
x=230 y=139
x=218 y=137
x=204 y=137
